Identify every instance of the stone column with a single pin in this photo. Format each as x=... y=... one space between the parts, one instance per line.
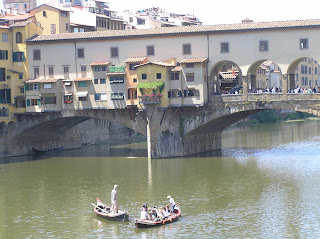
x=291 y=82
x=253 y=80
x=285 y=86
x=245 y=87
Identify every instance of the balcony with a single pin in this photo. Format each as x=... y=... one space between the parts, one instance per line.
x=150 y=99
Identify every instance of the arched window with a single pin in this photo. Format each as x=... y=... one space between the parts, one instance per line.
x=305 y=69
x=302 y=69
x=18 y=37
x=302 y=80
x=3 y=111
x=306 y=81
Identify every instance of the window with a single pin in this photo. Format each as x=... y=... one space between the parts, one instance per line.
x=2 y=74
x=82 y=84
x=135 y=80
x=18 y=37
x=316 y=70
x=302 y=69
x=186 y=49
x=64 y=14
x=5 y=37
x=80 y=52
x=263 y=46
x=68 y=99
x=190 y=93
x=5 y=96
x=34 y=102
x=3 y=55
x=18 y=56
x=102 y=81
x=174 y=94
x=175 y=75
x=36 y=72
x=20 y=76
x=44 y=14
x=53 y=28
x=141 y=21
x=49 y=100
x=21 y=90
x=104 y=68
x=189 y=65
x=67 y=26
x=114 y=52
x=150 y=50
x=132 y=65
x=47 y=86
x=190 y=77
x=97 y=68
x=36 y=54
x=51 y=72
x=66 y=72
x=83 y=71
x=158 y=76
x=309 y=70
x=144 y=76
x=100 y=96
x=305 y=69
x=82 y=98
x=224 y=47
x=304 y=43
x=96 y=81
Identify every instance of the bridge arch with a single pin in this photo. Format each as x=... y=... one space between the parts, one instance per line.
x=223 y=76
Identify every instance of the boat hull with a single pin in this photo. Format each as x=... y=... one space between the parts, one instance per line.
x=120 y=216
x=148 y=223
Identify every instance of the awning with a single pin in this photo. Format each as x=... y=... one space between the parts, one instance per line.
x=82 y=94
x=67 y=83
x=68 y=94
x=68 y=80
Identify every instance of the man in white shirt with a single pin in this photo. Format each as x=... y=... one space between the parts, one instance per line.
x=114 y=199
x=172 y=203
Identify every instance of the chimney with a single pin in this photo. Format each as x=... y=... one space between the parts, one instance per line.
x=246 y=20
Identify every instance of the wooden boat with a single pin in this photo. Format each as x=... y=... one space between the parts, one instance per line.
x=150 y=223
x=104 y=211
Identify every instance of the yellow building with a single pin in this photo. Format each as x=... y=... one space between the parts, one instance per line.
x=13 y=67
x=53 y=19
x=152 y=79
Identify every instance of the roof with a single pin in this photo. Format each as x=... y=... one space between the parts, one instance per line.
x=177 y=68
x=194 y=60
x=18 y=17
x=42 y=81
x=20 y=24
x=159 y=63
x=135 y=59
x=100 y=63
x=181 y=30
x=229 y=75
x=53 y=6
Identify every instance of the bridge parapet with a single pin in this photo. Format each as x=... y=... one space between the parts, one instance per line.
x=272 y=97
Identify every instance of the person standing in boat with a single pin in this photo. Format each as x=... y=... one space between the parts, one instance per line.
x=172 y=203
x=114 y=199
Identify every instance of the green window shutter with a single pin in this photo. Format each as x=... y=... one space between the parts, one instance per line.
x=39 y=102
x=28 y=102
x=8 y=96
x=14 y=56
x=23 y=56
x=6 y=55
x=26 y=87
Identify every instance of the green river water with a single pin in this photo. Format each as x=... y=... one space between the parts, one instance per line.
x=264 y=183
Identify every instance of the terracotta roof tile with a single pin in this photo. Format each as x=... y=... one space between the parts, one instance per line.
x=18 y=17
x=181 y=30
x=159 y=63
x=177 y=68
x=135 y=59
x=193 y=60
x=115 y=73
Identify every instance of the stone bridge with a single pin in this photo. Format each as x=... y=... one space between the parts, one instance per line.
x=170 y=132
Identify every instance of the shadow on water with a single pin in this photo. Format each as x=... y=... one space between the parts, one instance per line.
x=98 y=150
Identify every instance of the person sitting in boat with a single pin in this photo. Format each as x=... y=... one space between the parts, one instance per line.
x=145 y=207
x=171 y=203
x=144 y=214
x=160 y=214
x=168 y=210
x=154 y=214
x=114 y=199
x=165 y=213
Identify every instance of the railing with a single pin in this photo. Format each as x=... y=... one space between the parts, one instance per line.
x=150 y=99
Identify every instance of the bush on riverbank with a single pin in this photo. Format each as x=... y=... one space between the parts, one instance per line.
x=271 y=117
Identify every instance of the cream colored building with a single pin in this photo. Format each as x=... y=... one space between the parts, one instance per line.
x=246 y=45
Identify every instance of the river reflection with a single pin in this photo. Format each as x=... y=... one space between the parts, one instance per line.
x=264 y=183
